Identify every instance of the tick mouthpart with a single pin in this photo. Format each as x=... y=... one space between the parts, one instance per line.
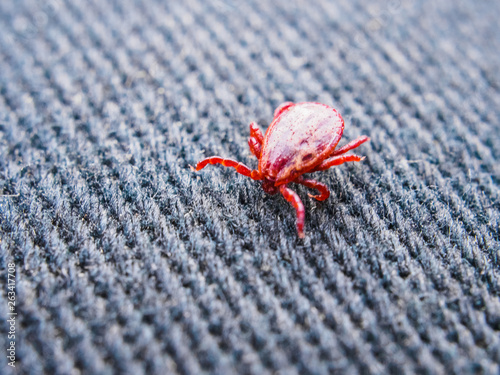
x=268 y=187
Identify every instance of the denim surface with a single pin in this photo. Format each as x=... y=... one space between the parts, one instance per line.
x=127 y=262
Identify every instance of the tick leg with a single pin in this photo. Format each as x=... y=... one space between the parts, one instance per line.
x=281 y=108
x=336 y=160
x=324 y=193
x=240 y=167
x=255 y=147
x=351 y=145
x=294 y=199
x=256 y=133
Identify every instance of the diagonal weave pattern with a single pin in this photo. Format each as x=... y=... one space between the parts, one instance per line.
x=127 y=262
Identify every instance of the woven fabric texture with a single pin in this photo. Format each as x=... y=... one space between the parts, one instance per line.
x=127 y=262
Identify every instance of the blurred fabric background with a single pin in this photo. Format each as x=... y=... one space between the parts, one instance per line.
x=127 y=262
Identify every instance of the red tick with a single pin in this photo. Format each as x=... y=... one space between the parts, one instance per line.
x=301 y=139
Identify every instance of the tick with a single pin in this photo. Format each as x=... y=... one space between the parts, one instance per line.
x=301 y=139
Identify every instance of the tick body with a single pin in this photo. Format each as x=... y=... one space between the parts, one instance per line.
x=301 y=139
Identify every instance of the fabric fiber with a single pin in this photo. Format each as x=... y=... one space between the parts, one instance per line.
x=128 y=262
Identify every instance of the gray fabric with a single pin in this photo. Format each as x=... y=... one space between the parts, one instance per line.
x=128 y=262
